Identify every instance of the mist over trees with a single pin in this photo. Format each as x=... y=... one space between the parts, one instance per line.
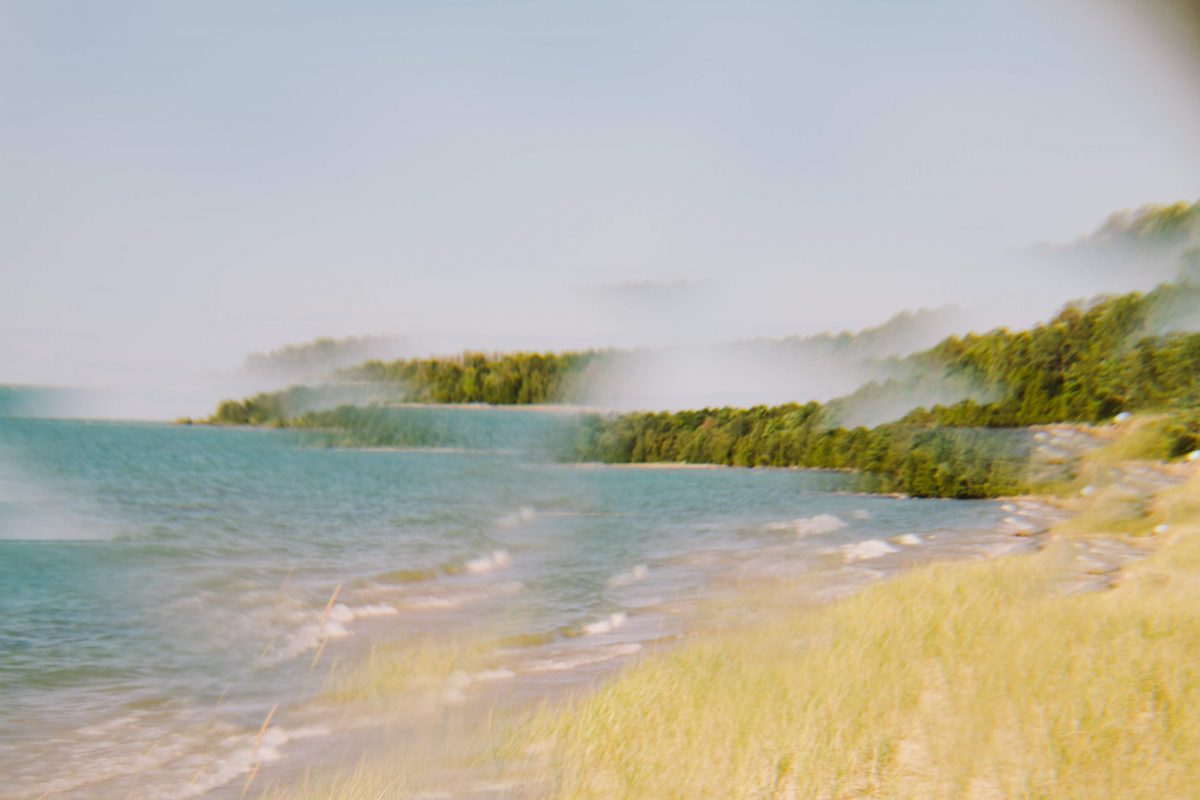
x=1087 y=364
x=844 y=360
x=511 y=379
x=1152 y=243
x=315 y=360
x=1094 y=359
x=1176 y=225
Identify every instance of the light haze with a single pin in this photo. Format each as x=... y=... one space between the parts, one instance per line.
x=183 y=185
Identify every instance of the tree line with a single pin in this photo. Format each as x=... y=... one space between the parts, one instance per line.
x=1090 y=362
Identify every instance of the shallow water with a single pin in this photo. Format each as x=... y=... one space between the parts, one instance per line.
x=164 y=587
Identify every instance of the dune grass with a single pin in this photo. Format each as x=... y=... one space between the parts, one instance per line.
x=391 y=673
x=963 y=680
x=365 y=780
x=1112 y=510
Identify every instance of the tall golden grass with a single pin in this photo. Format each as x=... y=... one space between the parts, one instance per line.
x=970 y=680
x=977 y=680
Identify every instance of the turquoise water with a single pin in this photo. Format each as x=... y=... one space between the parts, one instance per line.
x=163 y=587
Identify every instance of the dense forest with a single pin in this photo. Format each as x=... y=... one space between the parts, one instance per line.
x=1124 y=353
x=505 y=379
x=541 y=378
x=1087 y=364
x=897 y=457
x=508 y=379
x=1131 y=352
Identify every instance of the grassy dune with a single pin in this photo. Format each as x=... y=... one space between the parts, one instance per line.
x=394 y=672
x=977 y=680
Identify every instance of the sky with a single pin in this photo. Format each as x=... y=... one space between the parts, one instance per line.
x=184 y=184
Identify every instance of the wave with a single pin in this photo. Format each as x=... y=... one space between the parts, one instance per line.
x=494 y=560
x=606 y=625
x=866 y=550
x=454 y=692
x=331 y=624
x=457 y=599
x=809 y=526
x=167 y=761
x=634 y=575
x=582 y=658
x=523 y=514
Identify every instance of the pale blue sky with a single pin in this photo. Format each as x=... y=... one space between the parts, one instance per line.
x=183 y=184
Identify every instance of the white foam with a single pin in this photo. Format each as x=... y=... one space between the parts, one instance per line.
x=607 y=625
x=309 y=637
x=523 y=514
x=863 y=551
x=440 y=601
x=634 y=575
x=344 y=614
x=436 y=601
x=809 y=526
x=860 y=513
x=495 y=560
x=373 y=610
x=186 y=763
x=458 y=681
x=908 y=539
x=583 y=658
x=331 y=624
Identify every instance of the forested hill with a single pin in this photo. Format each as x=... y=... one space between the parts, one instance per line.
x=1086 y=365
x=905 y=332
x=315 y=360
x=1150 y=244
x=1167 y=235
x=1092 y=361
x=1173 y=229
x=507 y=379
x=540 y=378
x=1131 y=352
x=1126 y=353
x=1089 y=362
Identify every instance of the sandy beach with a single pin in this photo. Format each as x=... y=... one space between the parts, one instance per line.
x=728 y=666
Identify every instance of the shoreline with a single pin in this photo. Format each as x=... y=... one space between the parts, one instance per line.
x=841 y=579
x=1090 y=565
x=1115 y=575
